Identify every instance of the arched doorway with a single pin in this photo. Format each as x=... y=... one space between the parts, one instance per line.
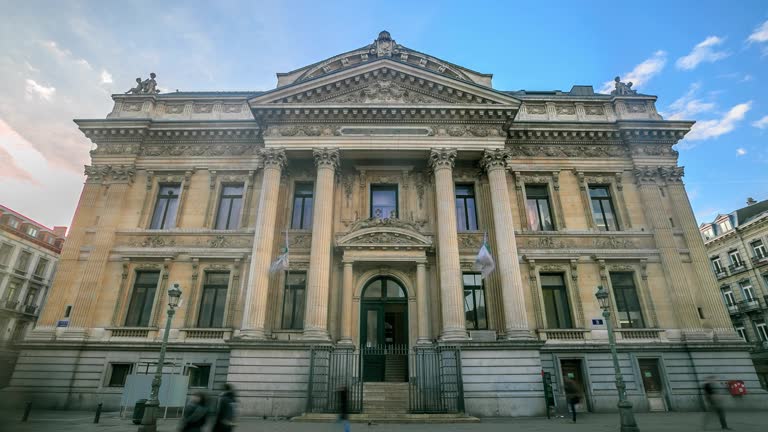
x=384 y=330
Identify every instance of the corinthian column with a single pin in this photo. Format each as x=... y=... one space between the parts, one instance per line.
x=451 y=289
x=316 y=316
x=513 y=300
x=255 y=314
x=709 y=293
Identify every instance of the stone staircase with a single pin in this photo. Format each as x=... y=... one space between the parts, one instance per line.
x=385 y=398
x=396 y=369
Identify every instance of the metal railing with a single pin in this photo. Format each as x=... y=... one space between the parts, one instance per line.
x=749 y=305
x=9 y=304
x=435 y=384
x=330 y=370
x=737 y=268
x=759 y=260
x=721 y=274
x=30 y=309
x=732 y=308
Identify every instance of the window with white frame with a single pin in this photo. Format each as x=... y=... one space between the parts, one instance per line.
x=728 y=297
x=32 y=231
x=717 y=265
x=13 y=223
x=761 y=330
x=742 y=332
x=735 y=258
x=759 y=249
x=746 y=291
x=724 y=225
x=708 y=233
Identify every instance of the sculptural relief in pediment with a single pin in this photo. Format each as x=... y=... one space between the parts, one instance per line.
x=384 y=233
x=385 y=91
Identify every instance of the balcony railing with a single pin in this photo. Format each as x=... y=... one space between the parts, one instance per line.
x=732 y=308
x=722 y=273
x=749 y=305
x=761 y=346
x=639 y=335
x=130 y=333
x=30 y=309
x=9 y=304
x=759 y=260
x=737 y=268
x=207 y=334
x=563 y=334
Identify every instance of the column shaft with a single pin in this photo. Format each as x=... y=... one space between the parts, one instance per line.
x=422 y=300
x=451 y=289
x=316 y=316
x=257 y=291
x=507 y=264
x=346 y=304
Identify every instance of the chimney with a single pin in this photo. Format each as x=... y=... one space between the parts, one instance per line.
x=751 y=201
x=60 y=231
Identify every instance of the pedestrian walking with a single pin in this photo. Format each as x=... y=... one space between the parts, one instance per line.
x=572 y=395
x=225 y=414
x=714 y=404
x=343 y=394
x=195 y=414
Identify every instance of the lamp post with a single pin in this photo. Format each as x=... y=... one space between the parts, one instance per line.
x=626 y=415
x=149 y=420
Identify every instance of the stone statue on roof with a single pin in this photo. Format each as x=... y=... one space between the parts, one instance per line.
x=623 y=89
x=384 y=45
x=148 y=86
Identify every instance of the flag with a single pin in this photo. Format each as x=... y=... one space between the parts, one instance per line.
x=281 y=263
x=484 y=261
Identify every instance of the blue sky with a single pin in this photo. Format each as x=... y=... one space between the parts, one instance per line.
x=706 y=60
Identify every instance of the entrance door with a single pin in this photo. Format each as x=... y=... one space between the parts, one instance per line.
x=572 y=370
x=384 y=331
x=654 y=391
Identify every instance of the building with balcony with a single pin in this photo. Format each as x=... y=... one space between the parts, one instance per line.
x=737 y=244
x=382 y=171
x=29 y=253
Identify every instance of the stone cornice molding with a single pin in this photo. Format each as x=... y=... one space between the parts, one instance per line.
x=110 y=173
x=567 y=151
x=326 y=158
x=383 y=113
x=274 y=158
x=443 y=158
x=494 y=159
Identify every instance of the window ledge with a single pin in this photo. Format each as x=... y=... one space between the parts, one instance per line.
x=206 y=334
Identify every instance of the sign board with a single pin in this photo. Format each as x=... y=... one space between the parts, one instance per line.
x=173 y=390
x=62 y=323
x=598 y=322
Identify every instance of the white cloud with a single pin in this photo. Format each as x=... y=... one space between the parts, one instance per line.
x=106 y=77
x=687 y=106
x=762 y=123
x=704 y=51
x=740 y=151
x=64 y=54
x=747 y=78
x=760 y=34
x=642 y=73
x=707 y=129
x=39 y=90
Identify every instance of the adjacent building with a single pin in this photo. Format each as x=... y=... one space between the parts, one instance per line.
x=29 y=252
x=737 y=244
x=325 y=232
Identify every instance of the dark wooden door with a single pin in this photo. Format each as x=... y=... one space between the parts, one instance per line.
x=572 y=370
x=372 y=338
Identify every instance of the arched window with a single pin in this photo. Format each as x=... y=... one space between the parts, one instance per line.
x=384 y=288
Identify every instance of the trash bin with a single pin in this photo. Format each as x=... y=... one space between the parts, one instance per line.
x=138 y=410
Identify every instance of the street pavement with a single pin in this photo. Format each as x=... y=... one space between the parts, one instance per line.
x=79 y=421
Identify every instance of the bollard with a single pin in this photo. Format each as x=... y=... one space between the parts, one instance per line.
x=27 y=409
x=98 y=413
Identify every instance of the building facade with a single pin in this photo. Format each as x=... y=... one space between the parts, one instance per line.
x=737 y=244
x=382 y=170
x=29 y=253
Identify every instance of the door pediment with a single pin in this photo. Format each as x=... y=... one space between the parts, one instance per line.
x=383 y=234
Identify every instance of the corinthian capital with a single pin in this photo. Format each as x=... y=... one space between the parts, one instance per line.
x=494 y=159
x=672 y=174
x=326 y=157
x=274 y=158
x=442 y=158
x=646 y=174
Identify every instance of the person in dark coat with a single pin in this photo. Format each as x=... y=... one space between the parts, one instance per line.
x=713 y=403
x=572 y=395
x=343 y=393
x=225 y=414
x=195 y=414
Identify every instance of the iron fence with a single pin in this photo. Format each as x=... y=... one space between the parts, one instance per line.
x=330 y=370
x=435 y=384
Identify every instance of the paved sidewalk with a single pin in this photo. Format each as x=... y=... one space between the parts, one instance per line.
x=78 y=421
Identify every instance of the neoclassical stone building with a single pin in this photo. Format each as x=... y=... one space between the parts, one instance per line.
x=383 y=168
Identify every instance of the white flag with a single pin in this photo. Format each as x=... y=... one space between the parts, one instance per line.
x=281 y=263
x=484 y=261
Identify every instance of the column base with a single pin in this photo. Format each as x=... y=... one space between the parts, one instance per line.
x=512 y=334
x=345 y=341
x=697 y=335
x=727 y=335
x=423 y=341
x=319 y=335
x=43 y=334
x=456 y=335
x=255 y=334
x=74 y=334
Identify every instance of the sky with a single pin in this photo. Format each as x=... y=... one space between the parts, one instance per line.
x=705 y=60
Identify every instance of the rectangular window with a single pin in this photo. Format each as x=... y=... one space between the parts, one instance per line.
x=22 y=264
x=466 y=212
x=12 y=290
x=140 y=307
x=40 y=267
x=31 y=296
x=556 y=305
x=475 y=314
x=199 y=375
x=167 y=204
x=746 y=291
x=538 y=208
x=303 y=203
x=214 y=300
x=13 y=223
x=724 y=226
x=5 y=253
x=230 y=207
x=627 y=302
x=384 y=201
x=728 y=297
x=602 y=208
x=32 y=232
x=293 y=300
x=759 y=249
x=735 y=258
x=119 y=373
x=742 y=333
x=717 y=265
x=761 y=330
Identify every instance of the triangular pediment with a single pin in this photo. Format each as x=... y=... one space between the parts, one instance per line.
x=383 y=82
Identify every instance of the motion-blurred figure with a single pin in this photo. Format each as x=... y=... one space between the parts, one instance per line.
x=714 y=404
x=344 y=407
x=225 y=414
x=195 y=414
x=572 y=395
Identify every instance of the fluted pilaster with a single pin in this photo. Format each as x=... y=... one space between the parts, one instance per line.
x=316 y=316
x=451 y=289
x=515 y=317
x=255 y=312
x=346 y=303
x=422 y=301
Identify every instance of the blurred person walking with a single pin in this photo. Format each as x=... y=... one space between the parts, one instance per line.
x=225 y=414
x=195 y=414
x=572 y=395
x=343 y=394
x=714 y=404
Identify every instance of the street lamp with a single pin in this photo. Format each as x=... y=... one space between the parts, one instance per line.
x=149 y=420
x=628 y=423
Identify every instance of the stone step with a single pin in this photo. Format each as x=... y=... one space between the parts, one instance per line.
x=389 y=418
